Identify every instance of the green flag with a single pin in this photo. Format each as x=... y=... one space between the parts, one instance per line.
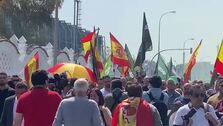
x=107 y=68
x=161 y=68
x=146 y=44
x=131 y=60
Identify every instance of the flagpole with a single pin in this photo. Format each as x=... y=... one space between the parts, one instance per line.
x=169 y=12
x=56 y=44
x=98 y=73
x=94 y=61
x=114 y=71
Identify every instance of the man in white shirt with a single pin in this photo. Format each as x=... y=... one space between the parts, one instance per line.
x=196 y=113
x=10 y=104
x=107 y=86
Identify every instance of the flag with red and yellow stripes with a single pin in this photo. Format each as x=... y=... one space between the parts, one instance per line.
x=86 y=42
x=31 y=67
x=119 y=56
x=192 y=62
x=219 y=61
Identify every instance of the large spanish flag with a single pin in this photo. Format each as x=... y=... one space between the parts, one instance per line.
x=133 y=112
x=192 y=62
x=31 y=67
x=118 y=53
x=73 y=71
x=87 y=41
x=219 y=61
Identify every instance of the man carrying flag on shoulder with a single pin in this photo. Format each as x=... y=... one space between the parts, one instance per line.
x=134 y=111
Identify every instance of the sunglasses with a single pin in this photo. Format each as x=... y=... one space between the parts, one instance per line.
x=196 y=95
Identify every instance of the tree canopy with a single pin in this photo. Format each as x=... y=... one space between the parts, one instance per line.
x=26 y=17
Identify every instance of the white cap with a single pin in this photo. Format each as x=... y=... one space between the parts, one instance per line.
x=81 y=85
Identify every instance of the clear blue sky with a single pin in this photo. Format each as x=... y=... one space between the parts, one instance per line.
x=198 y=19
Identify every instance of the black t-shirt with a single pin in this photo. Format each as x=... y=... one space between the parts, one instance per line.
x=3 y=95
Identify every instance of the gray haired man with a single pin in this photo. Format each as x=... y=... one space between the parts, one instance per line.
x=78 y=110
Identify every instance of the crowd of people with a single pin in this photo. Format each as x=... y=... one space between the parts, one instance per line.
x=141 y=101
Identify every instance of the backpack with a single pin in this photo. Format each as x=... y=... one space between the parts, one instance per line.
x=117 y=100
x=161 y=107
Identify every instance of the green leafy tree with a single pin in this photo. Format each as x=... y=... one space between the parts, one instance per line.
x=27 y=17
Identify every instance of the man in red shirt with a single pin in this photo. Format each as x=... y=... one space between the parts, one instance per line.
x=38 y=106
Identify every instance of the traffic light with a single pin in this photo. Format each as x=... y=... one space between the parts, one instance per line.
x=191 y=50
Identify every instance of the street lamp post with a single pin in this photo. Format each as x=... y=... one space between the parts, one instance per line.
x=56 y=43
x=164 y=50
x=169 y=12
x=74 y=34
x=184 y=50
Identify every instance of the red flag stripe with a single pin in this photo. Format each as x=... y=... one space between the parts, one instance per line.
x=88 y=37
x=36 y=57
x=56 y=67
x=189 y=69
x=87 y=55
x=219 y=66
x=27 y=76
x=113 y=39
x=100 y=66
x=117 y=61
x=91 y=74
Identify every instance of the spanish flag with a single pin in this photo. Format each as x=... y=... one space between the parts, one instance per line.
x=87 y=41
x=219 y=61
x=118 y=53
x=31 y=67
x=130 y=112
x=192 y=62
